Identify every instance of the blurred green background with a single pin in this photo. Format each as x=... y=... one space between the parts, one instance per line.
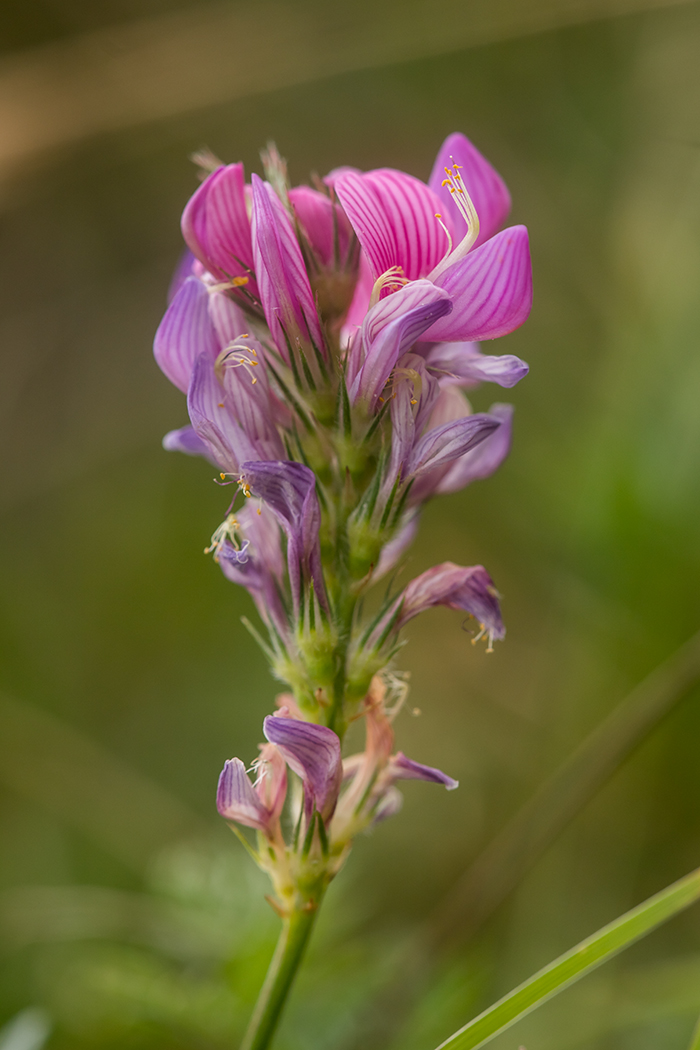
x=128 y=915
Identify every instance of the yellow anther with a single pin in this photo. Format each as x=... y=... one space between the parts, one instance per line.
x=238 y=282
x=222 y=476
x=220 y=404
x=254 y=380
x=413 y=401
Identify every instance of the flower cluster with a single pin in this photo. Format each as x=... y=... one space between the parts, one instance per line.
x=325 y=337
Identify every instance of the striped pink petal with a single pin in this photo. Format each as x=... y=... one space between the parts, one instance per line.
x=484 y=185
x=324 y=223
x=215 y=224
x=185 y=332
x=490 y=289
x=285 y=291
x=393 y=215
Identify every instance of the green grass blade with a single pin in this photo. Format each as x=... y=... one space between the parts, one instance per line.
x=695 y=1040
x=576 y=963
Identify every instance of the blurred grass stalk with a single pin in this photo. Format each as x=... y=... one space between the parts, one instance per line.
x=576 y=963
x=507 y=859
x=112 y=79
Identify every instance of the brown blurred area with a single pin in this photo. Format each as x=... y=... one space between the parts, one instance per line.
x=128 y=918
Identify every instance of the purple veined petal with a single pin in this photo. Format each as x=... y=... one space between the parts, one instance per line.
x=392 y=551
x=228 y=319
x=263 y=571
x=246 y=392
x=390 y=329
x=469 y=588
x=490 y=289
x=289 y=489
x=315 y=213
x=484 y=185
x=212 y=418
x=313 y=753
x=403 y=768
x=483 y=460
x=450 y=405
x=216 y=227
x=183 y=270
x=259 y=525
x=185 y=332
x=449 y=442
x=393 y=215
x=463 y=364
x=285 y=291
x=187 y=440
x=237 y=800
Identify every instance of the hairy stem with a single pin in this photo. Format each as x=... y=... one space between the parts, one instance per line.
x=280 y=977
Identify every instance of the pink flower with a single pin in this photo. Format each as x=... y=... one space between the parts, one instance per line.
x=445 y=232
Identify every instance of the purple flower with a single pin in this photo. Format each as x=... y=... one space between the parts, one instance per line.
x=370 y=795
x=390 y=328
x=289 y=490
x=186 y=332
x=402 y=768
x=203 y=348
x=249 y=552
x=479 y=462
x=468 y=588
x=313 y=753
x=447 y=234
x=258 y=806
x=463 y=365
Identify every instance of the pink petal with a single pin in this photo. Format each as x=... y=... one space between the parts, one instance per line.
x=484 y=185
x=490 y=288
x=360 y=300
x=285 y=291
x=393 y=215
x=215 y=224
x=315 y=213
x=185 y=332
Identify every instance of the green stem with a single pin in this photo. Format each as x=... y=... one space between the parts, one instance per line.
x=280 y=977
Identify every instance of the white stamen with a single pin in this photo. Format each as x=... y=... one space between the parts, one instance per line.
x=464 y=203
x=391 y=279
